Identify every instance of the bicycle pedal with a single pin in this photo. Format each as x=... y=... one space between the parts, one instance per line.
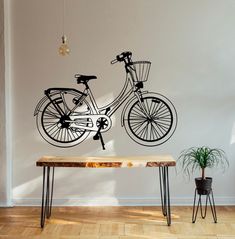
x=96 y=137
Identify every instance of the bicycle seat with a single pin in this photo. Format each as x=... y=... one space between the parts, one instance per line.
x=84 y=78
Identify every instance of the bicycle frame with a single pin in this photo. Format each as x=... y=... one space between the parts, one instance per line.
x=117 y=102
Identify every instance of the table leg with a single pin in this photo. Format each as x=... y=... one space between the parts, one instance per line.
x=162 y=191
x=43 y=198
x=47 y=194
x=52 y=188
x=165 y=193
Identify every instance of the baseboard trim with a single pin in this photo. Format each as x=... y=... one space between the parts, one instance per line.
x=6 y=205
x=175 y=201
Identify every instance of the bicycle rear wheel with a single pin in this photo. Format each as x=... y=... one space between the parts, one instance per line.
x=152 y=122
x=55 y=128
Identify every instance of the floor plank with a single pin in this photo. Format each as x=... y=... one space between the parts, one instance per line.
x=115 y=223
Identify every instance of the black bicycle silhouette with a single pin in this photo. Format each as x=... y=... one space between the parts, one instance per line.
x=66 y=116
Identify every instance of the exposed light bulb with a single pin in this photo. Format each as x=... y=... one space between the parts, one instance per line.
x=64 y=49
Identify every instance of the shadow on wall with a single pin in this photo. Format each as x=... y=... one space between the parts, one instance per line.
x=93 y=183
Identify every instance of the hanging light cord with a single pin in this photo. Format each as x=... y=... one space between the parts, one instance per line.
x=63 y=16
x=63 y=49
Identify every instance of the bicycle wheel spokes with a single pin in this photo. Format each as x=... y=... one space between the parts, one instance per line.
x=139 y=112
x=57 y=127
x=151 y=123
x=51 y=112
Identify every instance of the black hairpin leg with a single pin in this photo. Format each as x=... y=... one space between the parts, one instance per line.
x=163 y=196
x=209 y=196
x=194 y=217
x=43 y=192
x=52 y=188
x=47 y=194
x=213 y=207
x=165 y=193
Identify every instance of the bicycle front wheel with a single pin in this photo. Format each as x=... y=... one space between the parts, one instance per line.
x=151 y=122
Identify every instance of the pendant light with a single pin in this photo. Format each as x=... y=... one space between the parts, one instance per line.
x=64 y=48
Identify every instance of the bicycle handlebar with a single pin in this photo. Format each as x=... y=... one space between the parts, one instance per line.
x=124 y=56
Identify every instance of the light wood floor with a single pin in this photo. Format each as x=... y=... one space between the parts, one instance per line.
x=115 y=223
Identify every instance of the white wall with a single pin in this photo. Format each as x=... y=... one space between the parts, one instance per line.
x=5 y=159
x=3 y=188
x=191 y=46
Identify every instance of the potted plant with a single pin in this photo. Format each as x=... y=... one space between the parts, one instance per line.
x=201 y=158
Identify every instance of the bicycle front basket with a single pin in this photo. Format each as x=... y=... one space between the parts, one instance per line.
x=139 y=70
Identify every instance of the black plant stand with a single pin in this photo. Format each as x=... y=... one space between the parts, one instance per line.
x=209 y=195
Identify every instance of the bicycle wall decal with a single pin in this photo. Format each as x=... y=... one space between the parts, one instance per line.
x=66 y=116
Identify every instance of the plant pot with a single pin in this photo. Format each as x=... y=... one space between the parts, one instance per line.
x=203 y=186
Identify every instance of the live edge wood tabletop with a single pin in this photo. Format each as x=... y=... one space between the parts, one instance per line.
x=49 y=163
x=107 y=161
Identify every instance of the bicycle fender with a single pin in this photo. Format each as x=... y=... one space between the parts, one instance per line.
x=127 y=104
x=39 y=105
x=52 y=92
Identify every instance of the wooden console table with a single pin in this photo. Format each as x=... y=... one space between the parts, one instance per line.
x=50 y=162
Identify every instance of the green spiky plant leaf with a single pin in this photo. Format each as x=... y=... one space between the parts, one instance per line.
x=201 y=158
